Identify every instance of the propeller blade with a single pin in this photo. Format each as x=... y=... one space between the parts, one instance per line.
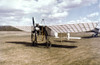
x=33 y=21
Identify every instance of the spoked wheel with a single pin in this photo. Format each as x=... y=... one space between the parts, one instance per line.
x=34 y=38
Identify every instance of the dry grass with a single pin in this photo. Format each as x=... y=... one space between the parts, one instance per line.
x=16 y=49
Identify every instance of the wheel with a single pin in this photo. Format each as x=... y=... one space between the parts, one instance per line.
x=48 y=44
x=34 y=39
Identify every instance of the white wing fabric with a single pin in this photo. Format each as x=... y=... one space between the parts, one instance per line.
x=71 y=28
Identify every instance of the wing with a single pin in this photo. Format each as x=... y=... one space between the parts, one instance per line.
x=73 y=28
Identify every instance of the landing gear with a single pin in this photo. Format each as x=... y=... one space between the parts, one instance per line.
x=35 y=36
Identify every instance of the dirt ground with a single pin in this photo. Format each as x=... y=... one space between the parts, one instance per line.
x=16 y=49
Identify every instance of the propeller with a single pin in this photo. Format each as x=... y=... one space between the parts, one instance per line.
x=33 y=31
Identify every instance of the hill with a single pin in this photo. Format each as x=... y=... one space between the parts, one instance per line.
x=9 y=28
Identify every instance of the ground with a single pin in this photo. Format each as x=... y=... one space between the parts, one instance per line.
x=16 y=49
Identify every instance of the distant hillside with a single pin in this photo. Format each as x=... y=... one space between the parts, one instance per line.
x=24 y=28
x=9 y=28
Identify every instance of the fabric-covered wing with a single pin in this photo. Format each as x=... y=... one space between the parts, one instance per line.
x=73 y=28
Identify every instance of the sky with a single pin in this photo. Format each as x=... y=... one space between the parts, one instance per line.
x=20 y=12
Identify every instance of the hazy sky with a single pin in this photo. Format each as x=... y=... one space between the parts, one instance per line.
x=20 y=12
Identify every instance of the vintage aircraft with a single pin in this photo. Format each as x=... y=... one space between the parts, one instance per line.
x=53 y=30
